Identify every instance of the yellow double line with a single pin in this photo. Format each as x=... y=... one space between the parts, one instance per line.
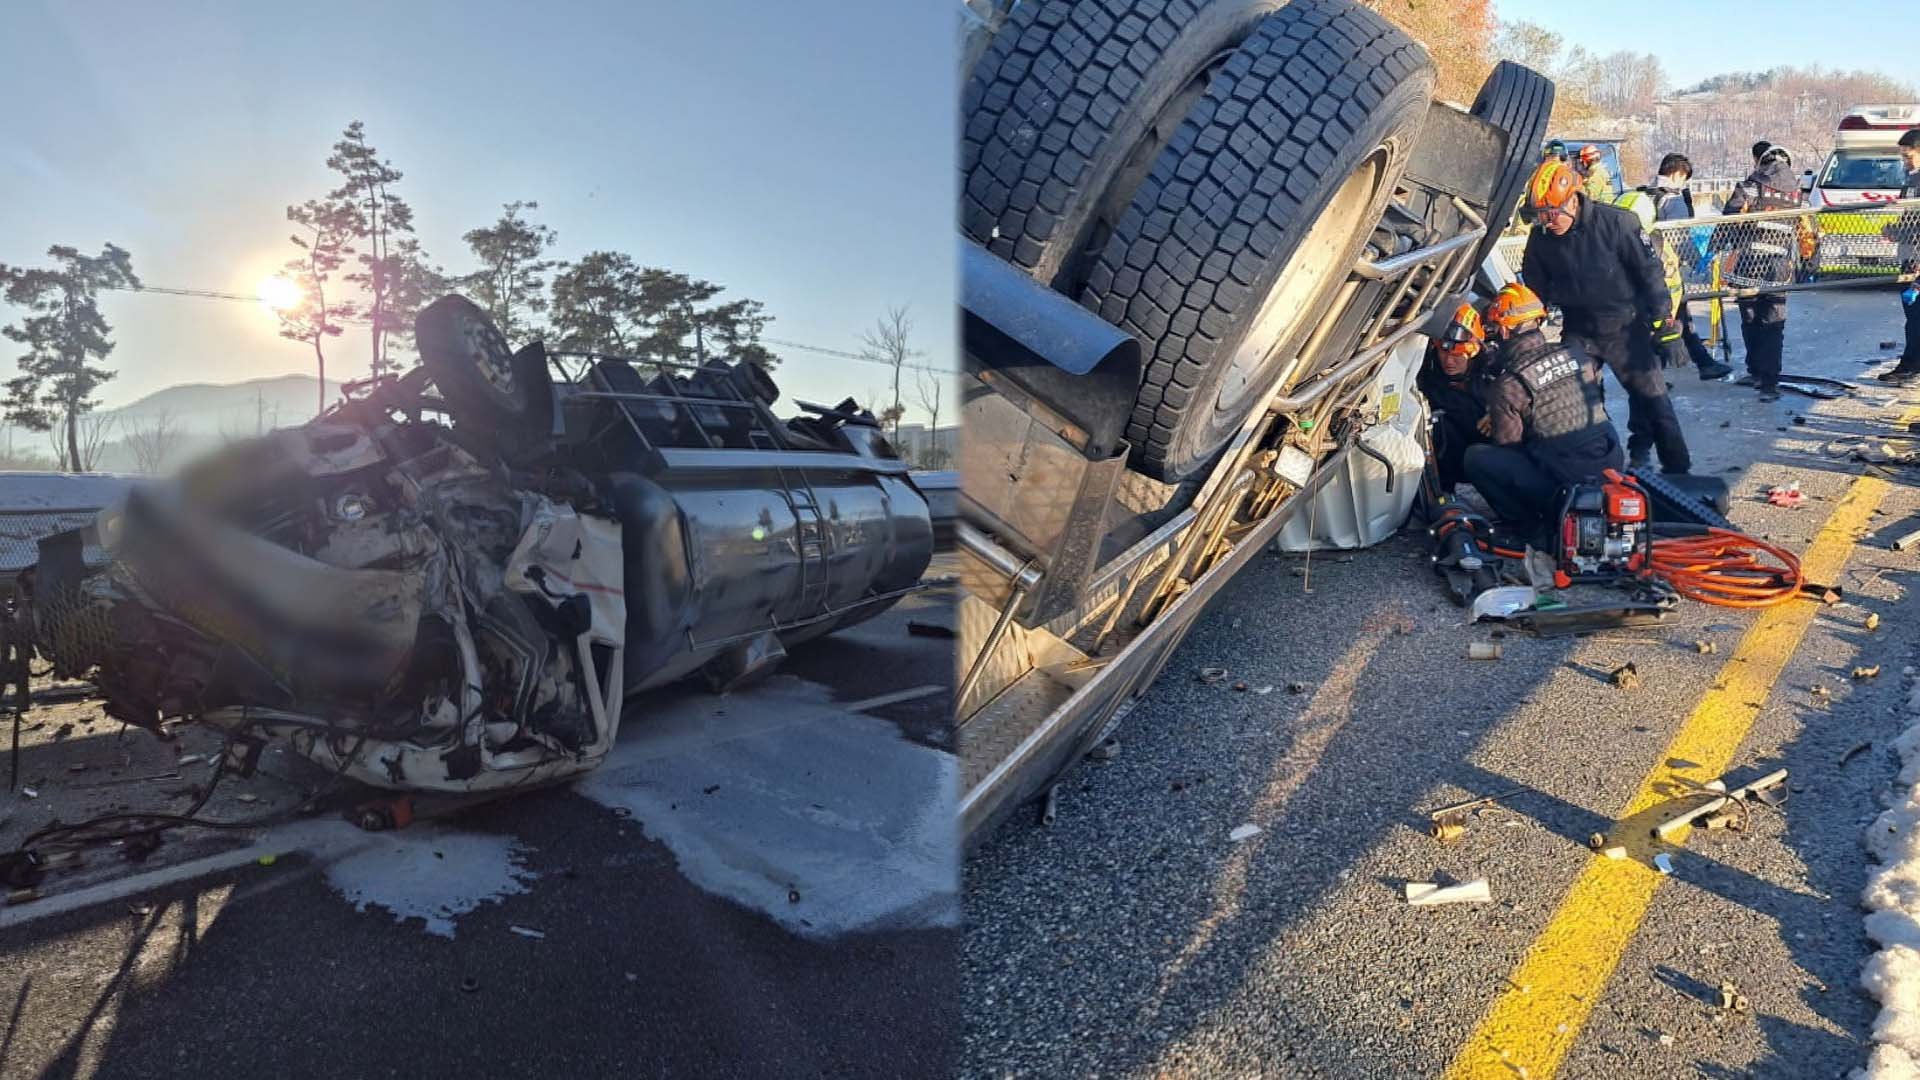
x=1534 y=1023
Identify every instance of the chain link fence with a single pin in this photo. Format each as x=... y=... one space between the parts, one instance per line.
x=21 y=531
x=1790 y=250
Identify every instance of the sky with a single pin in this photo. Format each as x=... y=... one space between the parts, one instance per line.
x=1701 y=38
x=799 y=154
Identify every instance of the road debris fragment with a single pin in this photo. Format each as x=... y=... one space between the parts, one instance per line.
x=1433 y=894
x=1210 y=676
x=1669 y=828
x=1483 y=650
x=1819 y=691
x=1626 y=676
x=1732 y=1000
x=1854 y=751
x=1663 y=862
x=1106 y=751
x=1448 y=829
x=1862 y=674
x=1910 y=540
x=1296 y=688
x=1705 y=647
x=1244 y=832
x=528 y=932
x=1788 y=495
x=1873 y=620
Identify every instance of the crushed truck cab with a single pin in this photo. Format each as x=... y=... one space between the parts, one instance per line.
x=452 y=580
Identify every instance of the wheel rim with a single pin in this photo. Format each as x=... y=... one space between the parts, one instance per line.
x=488 y=350
x=1316 y=266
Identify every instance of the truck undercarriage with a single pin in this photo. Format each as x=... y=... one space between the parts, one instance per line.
x=1181 y=308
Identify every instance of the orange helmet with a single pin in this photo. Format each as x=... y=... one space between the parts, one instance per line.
x=1553 y=185
x=1589 y=155
x=1464 y=336
x=1516 y=307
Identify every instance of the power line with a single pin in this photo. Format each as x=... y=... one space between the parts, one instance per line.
x=211 y=294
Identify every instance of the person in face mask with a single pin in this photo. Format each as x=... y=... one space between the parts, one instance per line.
x=1670 y=200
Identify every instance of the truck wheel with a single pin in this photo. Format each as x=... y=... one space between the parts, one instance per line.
x=1517 y=100
x=471 y=365
x=1066 y=111
x=1232 y=249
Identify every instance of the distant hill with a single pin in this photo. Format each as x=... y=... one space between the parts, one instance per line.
x=240 y=408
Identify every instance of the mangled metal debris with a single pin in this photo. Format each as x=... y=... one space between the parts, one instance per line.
x=452 y=579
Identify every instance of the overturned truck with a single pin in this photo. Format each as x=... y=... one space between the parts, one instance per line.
x=451 y=579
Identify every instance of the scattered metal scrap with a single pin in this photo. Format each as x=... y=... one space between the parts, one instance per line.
x=1720 y=800
x=1432 y=893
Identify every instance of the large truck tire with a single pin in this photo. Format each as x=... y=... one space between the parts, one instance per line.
x=1251 y=217
x=1067 y=109
x=1518 y=100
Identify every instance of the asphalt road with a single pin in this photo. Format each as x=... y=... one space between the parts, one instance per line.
x=1133 y=937
x=757 y=885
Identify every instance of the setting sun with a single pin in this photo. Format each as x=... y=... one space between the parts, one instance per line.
x=279 y=293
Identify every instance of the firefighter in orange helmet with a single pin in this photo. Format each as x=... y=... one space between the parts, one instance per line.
x=1449 y=381
x=1588 y=259
x=1546 y=418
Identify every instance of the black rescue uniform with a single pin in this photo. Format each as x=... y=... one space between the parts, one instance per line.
x=1455 y=401
x=1548 y=415
x=1768 y=255
x=1606 y=280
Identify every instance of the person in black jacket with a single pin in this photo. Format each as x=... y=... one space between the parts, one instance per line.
x=1906 y=233
x=1589 y=260
x=1769 y=256
x=1448 y=381
x=1547 y=421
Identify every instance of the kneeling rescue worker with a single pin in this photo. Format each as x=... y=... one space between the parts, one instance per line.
x=1547 y=416
x=1449 y=382
x=1588 y=259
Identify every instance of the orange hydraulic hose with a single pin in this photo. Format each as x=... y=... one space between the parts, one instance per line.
x=1726 y=569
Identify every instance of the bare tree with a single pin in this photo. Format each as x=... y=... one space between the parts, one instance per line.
x=887 y=343
x=86 y=435
x=152 y=441
x=930 y=385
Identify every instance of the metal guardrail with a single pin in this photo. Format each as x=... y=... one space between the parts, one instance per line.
x=1793 y=250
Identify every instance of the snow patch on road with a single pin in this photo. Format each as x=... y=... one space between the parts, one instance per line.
x=432 y=873
x=1892 y=897
x=825 y=821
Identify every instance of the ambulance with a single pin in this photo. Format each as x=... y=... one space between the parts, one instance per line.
x=1864 y=167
